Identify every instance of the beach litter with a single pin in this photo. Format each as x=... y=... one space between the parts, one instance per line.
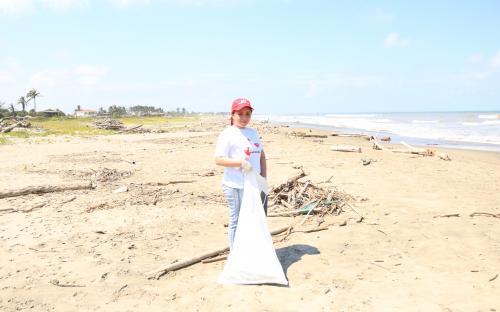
x=11 y=124
x=295 y=197
x=109 y=124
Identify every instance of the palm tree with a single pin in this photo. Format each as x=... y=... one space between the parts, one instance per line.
x=22 y=101
x=32 y=94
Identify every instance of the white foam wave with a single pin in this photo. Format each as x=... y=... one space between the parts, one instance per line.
x=416 y=121
x=352 y=115
x=491 y=122
x=385 y=120
x=489 y=116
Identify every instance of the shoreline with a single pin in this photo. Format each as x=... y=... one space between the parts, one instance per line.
x=395 y=138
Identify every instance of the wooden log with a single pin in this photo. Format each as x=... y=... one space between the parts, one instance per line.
x=290 y=213
x=210 y=260
x=421 y=152
x=351 y=135
x=376 y=144
x=131 y=129
x=11 y=127
x=346 y=148
x=46 y=189
x=156 y=274
x=321 y=136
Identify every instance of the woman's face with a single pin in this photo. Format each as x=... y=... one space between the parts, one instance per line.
x=242 y=117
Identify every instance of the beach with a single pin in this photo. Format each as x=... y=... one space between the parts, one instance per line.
x=424 y=242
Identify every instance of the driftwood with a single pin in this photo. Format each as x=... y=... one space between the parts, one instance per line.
x=346 y=148
x=351 y=135
x=410 y=150
x=290 y=213
x=321 y=136
x=9 y=124
x=109 y=124
x=46 y=189
x=448 y=215
x=484 y=214
x=210 y=260
x=59 y=284
x=376 y=144
x=295 y=197
x=11 y=127
x=168 y=183
x=156 y=274
x=131 y=129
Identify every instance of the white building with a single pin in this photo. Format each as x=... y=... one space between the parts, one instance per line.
x=85 y=112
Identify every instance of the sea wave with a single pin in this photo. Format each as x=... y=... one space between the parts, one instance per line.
x=351 y=115
x=416 y=121
x=437 y=127
x=491 y=122
x=489 y=116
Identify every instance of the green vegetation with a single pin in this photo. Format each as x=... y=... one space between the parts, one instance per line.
x=3 y=139
x=155 y=120
x=83 y=126
x=67 y=126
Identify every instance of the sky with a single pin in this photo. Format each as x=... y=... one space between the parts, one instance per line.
x=286 y=56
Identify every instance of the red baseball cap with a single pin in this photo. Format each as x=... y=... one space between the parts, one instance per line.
x=240 y=104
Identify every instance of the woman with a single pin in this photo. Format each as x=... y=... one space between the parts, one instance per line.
x=239 y=150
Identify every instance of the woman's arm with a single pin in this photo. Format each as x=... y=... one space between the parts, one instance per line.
x=228 y=162
x=263 y=164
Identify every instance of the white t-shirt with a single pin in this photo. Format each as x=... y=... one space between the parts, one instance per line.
x=234 y=142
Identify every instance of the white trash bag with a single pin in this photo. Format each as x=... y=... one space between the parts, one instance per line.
x=252 y=259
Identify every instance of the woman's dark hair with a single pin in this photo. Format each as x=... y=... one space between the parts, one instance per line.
x=231 y=119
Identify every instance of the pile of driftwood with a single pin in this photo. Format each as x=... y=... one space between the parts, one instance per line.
x=9 y=124
x=113 y=124
x=410 y=150
x=109 y=175
x=109 y=124
x=296 y=197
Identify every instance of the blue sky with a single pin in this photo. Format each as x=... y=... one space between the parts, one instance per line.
x=286 y=56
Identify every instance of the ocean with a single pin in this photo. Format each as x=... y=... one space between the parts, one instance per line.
x=465 y=130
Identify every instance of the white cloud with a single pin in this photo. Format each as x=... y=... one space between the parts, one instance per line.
x=475 y=58
x=395 y=40
x=127 y=3
x=6 y=76
x=50 y=78
x=495 y=60
x=63 y=4
x=314 y=85
x=382 y=16
x=89 y=74
x=16 y=7
x=85 y=75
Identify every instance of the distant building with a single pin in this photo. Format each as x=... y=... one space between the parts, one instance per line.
x=51 y=113
x=79 y=112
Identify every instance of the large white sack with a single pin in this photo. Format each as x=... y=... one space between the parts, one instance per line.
x=252 y=259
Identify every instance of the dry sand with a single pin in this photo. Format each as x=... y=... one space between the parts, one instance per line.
x=101 y=244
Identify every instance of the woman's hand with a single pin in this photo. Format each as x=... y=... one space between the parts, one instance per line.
x=246 y=166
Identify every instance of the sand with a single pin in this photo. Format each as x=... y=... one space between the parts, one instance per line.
x=90 y=250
